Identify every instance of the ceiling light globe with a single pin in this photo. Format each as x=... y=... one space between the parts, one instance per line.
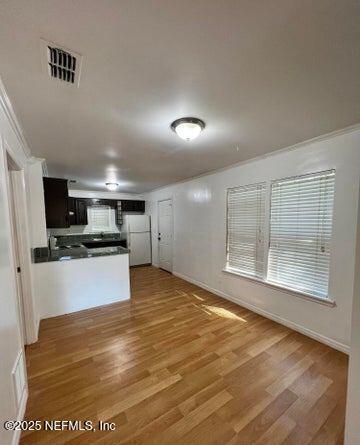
x=112 y=186
x=188 y=128
x=188 y=131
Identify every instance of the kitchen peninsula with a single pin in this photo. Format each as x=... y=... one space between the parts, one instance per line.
x=74 y=277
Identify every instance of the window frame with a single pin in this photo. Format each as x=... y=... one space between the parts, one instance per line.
x=326 y=301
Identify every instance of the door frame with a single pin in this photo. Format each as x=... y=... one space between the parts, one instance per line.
x=16 y=197
x=16 y=244
x=172 y=229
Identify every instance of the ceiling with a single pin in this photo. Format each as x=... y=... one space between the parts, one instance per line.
x=263 y=75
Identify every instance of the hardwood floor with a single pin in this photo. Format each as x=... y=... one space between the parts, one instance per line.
x=178 y=365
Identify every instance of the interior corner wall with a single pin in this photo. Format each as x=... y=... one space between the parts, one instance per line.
x=199 y=244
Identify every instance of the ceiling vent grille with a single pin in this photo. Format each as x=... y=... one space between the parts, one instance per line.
x=62 y=64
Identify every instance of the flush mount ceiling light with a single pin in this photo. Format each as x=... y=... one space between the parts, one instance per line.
x=188 y=128
x=112 y=185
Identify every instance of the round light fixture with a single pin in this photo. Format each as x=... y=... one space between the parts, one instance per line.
x=112 y=186
x=188 y=128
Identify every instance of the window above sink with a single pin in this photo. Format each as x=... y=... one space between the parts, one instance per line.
x=101 y=218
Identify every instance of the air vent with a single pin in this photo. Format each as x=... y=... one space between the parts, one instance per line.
x=62 y=64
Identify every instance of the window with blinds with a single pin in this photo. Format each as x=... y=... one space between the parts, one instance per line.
x=300 y=232
x=101 y=218
x=245 y=227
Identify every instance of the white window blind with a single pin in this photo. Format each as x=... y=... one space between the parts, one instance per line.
x=101 y=218
x=300 y=232
x=245 y=227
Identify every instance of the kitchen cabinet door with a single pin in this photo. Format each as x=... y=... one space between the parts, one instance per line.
x=140 y=206
x=81 y=212
x=129 y=205
x=56 y=203
x=72 y=211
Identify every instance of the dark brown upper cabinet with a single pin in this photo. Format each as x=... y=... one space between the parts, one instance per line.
x=81 y=212
x=56 y=203
x=129 y=205
x=78 y=211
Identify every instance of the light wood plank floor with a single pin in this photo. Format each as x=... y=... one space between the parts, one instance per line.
x=178 y=365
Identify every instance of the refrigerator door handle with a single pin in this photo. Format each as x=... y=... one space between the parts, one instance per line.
x=129 y=237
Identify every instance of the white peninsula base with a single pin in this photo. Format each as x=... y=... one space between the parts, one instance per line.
x=73 y=285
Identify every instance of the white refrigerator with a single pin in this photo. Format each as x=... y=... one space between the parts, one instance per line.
x=138 y=239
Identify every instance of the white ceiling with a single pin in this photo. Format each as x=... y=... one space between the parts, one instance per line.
x=263 y=75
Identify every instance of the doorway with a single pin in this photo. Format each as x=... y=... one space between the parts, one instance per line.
x=13 y=176
x=165 y=234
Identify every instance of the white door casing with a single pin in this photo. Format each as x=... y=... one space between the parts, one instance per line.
x=165 y=234
x=16 y=247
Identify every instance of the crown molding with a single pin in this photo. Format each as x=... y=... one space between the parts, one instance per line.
x=33 y=160
x=6 y=105
x=324 y=137
x=9 y=111
x=44 y=168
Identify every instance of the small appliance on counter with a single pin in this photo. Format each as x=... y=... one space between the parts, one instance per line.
x=52 y=243
x=138 y=236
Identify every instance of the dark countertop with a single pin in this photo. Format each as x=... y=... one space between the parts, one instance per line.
x=45 y=255
x=78 y=238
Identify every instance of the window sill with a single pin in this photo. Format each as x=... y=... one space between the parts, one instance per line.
x=303 y=295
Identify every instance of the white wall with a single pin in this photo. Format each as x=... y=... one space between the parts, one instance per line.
x=36 y=201
x=352 y=428
x=200 y=234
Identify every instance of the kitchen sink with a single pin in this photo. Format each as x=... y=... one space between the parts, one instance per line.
x=93 y=244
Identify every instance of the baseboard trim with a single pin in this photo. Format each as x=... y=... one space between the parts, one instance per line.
x=88 y=308
x=20 y=416
x=296 y=327
x=38 y=328
x=34 y=337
